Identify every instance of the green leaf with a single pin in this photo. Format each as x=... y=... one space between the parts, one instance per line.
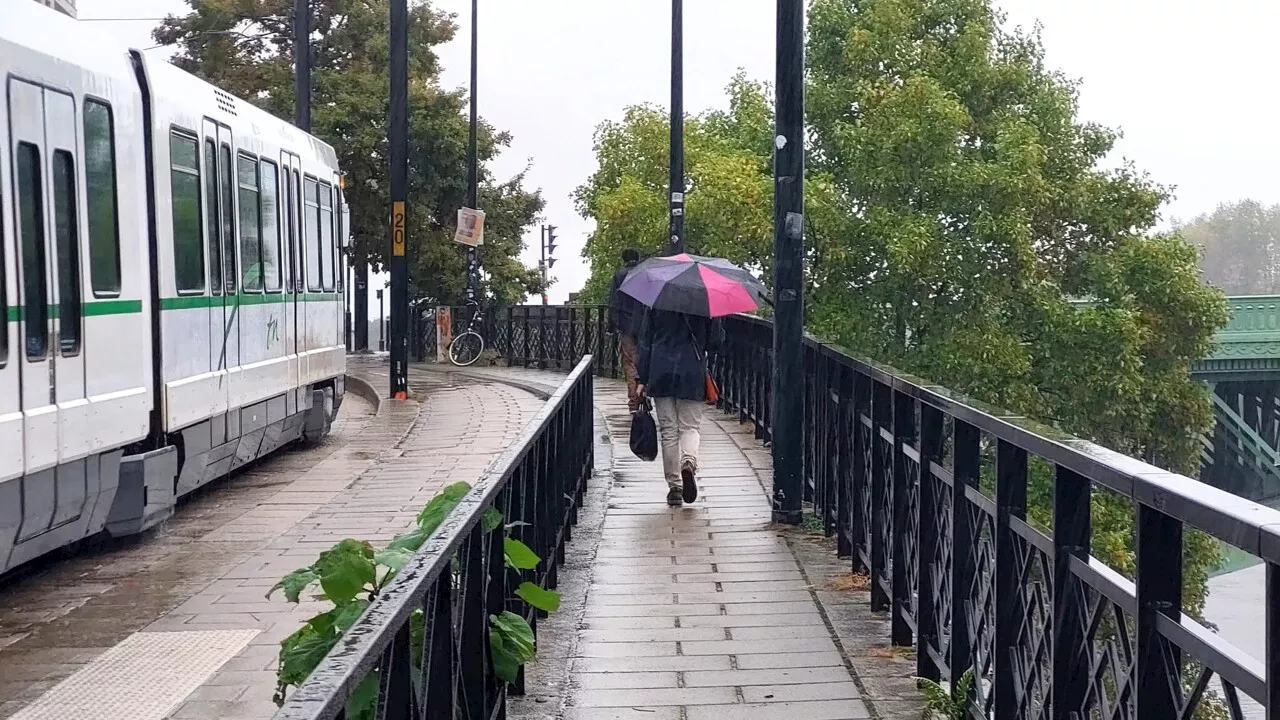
x=301 y=652
x=517 y=636
x=506 y=665
x=491 y=520
x=410 y=541
x=345 y=570
x=519 y=555
x=441 y=505
x=363 y=703
x=394 y=558
x=344 y=616
x=545 y=600
x=294 y=583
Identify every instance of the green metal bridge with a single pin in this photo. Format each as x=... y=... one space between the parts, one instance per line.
x=1242 y=452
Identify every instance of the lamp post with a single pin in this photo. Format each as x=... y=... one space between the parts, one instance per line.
x=473 y=165
x=302 y=64
x=399 y=141
x=677 y=127
x=788 y=244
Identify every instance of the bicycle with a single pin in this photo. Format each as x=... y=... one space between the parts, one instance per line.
x=466 y=347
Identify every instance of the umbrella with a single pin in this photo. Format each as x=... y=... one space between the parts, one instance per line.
x=705 y=286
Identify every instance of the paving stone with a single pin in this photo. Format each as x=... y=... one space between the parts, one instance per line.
x=679 y=663
x=602 y=681
x=673 y=634
x=787 y=632
x=785 y=676
x=790 y=660
x=822 y=710
x=632 y=713
x=844 y=690
x=630 y=649
x=742 y=648
x=654 y=697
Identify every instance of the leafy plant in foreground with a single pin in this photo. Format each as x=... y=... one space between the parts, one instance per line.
x=352 y=573
x=941 y=704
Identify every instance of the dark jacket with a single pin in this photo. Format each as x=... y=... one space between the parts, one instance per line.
x=625 y=312
x=671 y=360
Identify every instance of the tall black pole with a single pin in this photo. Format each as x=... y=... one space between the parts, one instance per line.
x=473 y=164
x=677 y=126
x=302 y=64
x=360 y=305
x=788 y=243
x=399 y=137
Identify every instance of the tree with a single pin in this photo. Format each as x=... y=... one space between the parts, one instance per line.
x=955 y=210
x=1240 y=243
x=246 y=48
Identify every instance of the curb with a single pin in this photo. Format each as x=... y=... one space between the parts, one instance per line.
x=361 y=387
x=539 y=391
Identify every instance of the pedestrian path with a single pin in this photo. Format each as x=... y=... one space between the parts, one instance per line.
x=205 y=646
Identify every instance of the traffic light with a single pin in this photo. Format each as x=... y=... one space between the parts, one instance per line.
x=551 y=245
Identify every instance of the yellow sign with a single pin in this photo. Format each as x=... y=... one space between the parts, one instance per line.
x=397 y=229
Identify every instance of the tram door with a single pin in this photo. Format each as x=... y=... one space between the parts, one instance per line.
x=295 y=313
x=54 y=408
x=220 y=235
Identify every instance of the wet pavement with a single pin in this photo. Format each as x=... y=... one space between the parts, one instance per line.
x=191 y=592
x=707 y=611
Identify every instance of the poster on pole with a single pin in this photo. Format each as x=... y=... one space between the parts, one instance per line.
x=470 y=227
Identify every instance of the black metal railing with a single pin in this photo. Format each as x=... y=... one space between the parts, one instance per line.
x=555 y=336
x=928 y=493
x=459 y=579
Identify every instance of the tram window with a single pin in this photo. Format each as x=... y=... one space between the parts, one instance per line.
x=326 y=235
x=100 y=191
x=67 y=248
x=226 y=211
x=4 y=303
x=270 y=186
x=35 y=302
x=188 y=252
x=311 y=221
x=211 y=216
x=250 y=225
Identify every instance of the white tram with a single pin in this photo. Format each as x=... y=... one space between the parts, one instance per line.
x=170 y=284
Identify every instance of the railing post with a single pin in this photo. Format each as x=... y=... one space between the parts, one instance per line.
x=1011 y=502
x=1159 y=592
x=1271 y=596
x=859 y=520
x=881 y=522
x=1071 y=527
x=927 y=542
x=966 y=469
x=574 y=355
x=904 y=436
x=439 y=701
x=474 y=636
x=845 y=482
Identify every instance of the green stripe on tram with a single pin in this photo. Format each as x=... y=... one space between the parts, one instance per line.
x=100 y=308
x=89 y=309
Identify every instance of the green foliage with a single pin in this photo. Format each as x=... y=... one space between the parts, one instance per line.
x=956 y=207
x=943 y=705
x=352 y=574
x=246 y=47
x=1239 y=243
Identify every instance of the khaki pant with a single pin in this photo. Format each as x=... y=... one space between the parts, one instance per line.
x=678 y=423
x=627 y=347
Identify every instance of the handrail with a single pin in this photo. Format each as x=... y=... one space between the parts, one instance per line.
x=550 y=462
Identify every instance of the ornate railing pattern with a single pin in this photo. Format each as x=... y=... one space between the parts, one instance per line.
x=458 y=579
x=555 y=336
x=929 y=493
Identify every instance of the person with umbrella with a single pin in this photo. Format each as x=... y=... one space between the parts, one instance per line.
x=625 y=314
x=685 y=294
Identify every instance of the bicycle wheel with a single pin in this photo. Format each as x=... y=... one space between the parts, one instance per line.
x=466 y=348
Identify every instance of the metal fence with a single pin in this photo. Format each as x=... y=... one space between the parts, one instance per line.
x=538 y=485
x=928 y=493
x=555 y=336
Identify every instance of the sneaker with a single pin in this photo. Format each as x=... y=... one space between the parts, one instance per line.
x=674 y=498
x=689 y=492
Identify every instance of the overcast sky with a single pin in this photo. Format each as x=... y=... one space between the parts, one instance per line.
x=1189 y=82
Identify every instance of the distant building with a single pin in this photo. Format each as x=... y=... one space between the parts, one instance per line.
x=65 y=6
